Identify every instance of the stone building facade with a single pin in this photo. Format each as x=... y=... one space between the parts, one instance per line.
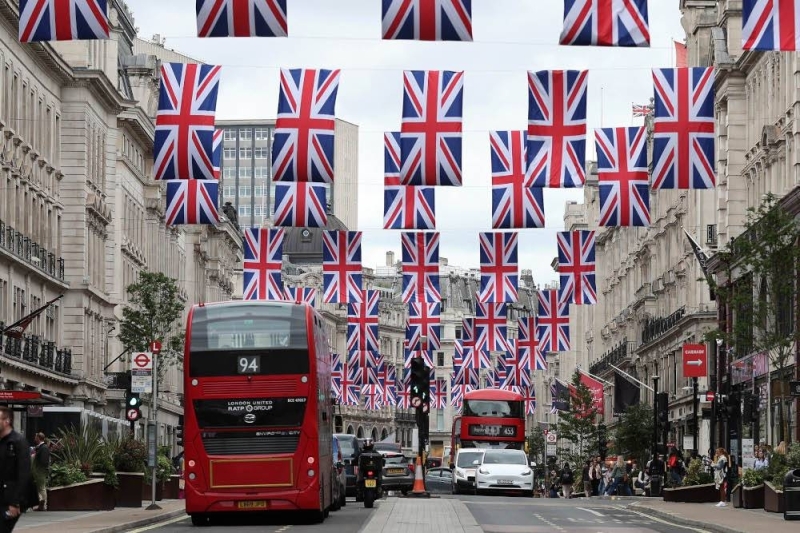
x=84 y=202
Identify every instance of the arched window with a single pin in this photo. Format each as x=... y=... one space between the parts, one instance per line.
x=350 y=430
x=360 y=432
x=384 y=434
x=374 y=434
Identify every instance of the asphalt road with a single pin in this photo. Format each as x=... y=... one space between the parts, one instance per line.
x=347 y=520
x=508 y=514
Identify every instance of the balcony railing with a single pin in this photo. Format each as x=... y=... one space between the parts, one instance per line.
x=37 y=352
x=615 y=356
x=30 y=251
x=403 y=416
x=118 y=380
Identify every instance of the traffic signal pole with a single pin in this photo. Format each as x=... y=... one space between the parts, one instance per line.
x=696 y=406
x=655 y=415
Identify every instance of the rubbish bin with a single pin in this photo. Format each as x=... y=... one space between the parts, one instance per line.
x=655 y=486
x=791 y=495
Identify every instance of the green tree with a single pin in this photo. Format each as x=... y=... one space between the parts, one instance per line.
x=154 y=313
x=763 y=296
x=634 y=433
x=536 y=444
x=577 y=425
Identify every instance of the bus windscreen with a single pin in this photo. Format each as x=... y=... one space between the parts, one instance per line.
x=493 y=408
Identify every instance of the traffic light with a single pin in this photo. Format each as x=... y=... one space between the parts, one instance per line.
x=420 y=384
x=179 y=431
x=662 y=406
x=602 y=444
x=133 y=406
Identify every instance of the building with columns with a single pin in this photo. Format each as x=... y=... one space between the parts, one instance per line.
x=78 y=118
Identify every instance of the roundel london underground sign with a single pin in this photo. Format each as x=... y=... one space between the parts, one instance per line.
x=142 y=361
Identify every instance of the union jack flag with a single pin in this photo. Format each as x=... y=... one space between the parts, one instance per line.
x=409 y=355
x=623 y=176
x=420 y=267
x=192 y=202
x=576 y=267
x=430 y=135
x=490 y=327
x=475 y=359
x=499 y=265
x=404 y=207
x=403 y=392
x=540 y=360
x=438 y=394
x=352 y=378
x=303 y=146
x=373 y=397
x=427 y=20
x=387 y=379
x=362 y=323
x=552 y=323
x=337 y=371
x=683 y=138
x=771 y=25
x=263 y=259
x=237 y=18
x=458 y=354
x=184 y=137
x=496 y=377
x=368 y=363
x=300 y=205
x=301 y=295
x=606 y=23
x=641 y=110
x=557 y=128
x=517 y=366
x=341 y=266
x=423 y=320
x=515 y=203
x=216 y=153
x=468 y=331
x=529 y=397
x=62 y=20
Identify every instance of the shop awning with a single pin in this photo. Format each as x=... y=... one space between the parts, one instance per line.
x=27 y=397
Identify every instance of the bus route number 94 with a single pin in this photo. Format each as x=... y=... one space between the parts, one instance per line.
x=249 y=364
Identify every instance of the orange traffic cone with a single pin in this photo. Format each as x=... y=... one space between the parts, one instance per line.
x=419 y=483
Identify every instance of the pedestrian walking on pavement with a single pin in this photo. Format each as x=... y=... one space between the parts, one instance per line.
x=15 y=471
x=619 y=479
x=586 y=475
x=567 y=480
x=720 y=473
x=596 y=475
x=40 y=468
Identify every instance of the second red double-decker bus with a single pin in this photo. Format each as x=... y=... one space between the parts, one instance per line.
x=258 y=413
x=490 y=418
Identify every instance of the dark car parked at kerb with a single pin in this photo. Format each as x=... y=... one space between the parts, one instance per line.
x=351 y=449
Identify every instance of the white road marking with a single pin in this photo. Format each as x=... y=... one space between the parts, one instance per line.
x=160 y=524
x=659 y=520
x=601 y=515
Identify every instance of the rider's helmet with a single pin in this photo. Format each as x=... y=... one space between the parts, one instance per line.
x=368 y=445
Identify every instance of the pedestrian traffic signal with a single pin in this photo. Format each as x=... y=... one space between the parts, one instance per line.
x=420 y=385
x=133 y=406
x=179 y=431
x=662 y=407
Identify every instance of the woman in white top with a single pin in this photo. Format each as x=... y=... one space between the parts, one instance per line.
x=761 y=462
x=720 y=470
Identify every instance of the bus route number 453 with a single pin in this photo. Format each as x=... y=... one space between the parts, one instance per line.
x=249 y=364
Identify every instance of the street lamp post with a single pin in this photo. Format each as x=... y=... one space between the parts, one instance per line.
x=696 y=405
x=655 y=415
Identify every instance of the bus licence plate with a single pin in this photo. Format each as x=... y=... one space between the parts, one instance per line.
x=252 y=505
x=370 y=483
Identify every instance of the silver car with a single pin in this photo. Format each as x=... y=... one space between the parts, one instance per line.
x=466 y=463
x=504 y=470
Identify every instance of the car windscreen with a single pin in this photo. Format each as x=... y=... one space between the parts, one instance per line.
x=348 y=451
x=395 y=459
x=466 y=459
x=504 y=458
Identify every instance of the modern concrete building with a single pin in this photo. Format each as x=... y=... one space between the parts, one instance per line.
x=247 y=171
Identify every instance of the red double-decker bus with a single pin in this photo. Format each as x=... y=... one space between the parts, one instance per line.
x=490 y=418
x=258 y=410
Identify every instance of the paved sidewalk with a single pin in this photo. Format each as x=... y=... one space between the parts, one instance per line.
x=717 y=519
x=120 y=519
x=417 y=515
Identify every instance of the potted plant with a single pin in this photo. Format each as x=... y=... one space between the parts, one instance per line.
x=130 y=456
x=698 y=486
x=171 y=480
x=163 y=474
x=773 y=483
x=753 y=489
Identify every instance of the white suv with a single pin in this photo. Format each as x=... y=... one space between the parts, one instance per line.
x=467 y=461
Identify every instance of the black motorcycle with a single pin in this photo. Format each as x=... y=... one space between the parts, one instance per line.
x=370 y=467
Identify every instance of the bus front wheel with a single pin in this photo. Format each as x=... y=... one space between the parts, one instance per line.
x=199 y=520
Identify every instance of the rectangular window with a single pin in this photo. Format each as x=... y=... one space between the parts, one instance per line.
x=258 y=210
x=439 y=358
x=229 y=153
x=245 y=153
x=262 y=134
x=244 y=190
x=440 y=420
x=259 y=190
x=246 y=134
x=262 y=152
x=229 y=173
x=262 y=172
x=229 y=135
x=245 y=172
x=458 y=332
x=244 y=210
x=229 y=191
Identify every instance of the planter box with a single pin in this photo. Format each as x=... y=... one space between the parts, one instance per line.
x=147 y=494
x=773 y=499
x=92 y=495
x=129 y=492
x=753 y=497
x=692 y=494
x=736 y=496
x=171 y=488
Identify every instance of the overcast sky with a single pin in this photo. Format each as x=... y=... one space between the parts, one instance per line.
x=511 y=37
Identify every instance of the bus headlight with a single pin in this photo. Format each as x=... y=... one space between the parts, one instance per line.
x=192 y=476
x=311 y=473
